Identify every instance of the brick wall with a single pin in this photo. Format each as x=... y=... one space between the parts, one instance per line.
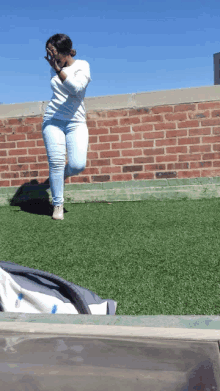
x=167 y=141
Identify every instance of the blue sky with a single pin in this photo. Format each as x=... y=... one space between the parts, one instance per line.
x=131 y=46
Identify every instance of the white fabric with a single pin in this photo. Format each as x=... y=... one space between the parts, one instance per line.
x=16 y=299
x=67 y=102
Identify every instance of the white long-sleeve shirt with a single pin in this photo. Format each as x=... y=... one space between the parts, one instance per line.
x=67 y=102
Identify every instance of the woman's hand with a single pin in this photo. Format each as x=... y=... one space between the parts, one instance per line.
x=52 y=60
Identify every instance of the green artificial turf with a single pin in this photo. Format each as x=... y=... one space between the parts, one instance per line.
x=152 y=257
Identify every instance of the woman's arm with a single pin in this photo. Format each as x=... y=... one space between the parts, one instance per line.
x=76 y=83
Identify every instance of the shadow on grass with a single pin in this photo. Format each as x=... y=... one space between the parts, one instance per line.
x=32 y=197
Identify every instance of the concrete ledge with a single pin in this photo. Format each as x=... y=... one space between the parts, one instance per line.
x=123 y=101
x=162 y=189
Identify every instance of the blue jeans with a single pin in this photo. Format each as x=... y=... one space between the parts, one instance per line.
x=59 y=135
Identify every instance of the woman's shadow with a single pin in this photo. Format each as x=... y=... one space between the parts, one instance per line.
x=32 y=197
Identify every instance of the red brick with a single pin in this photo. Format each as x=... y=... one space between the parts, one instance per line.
x=188 y=124
x=18 y=182
x=143 y=110
x=15 y=137
x=122 y=177
x=176 y=149
x=152 y=118
x=4 y=183
x=132 y=168
x=131 y=136
x=27 y=174
x=184 y=107
x=41 y=158
x=117 y=113
x=6 y=130
x=7 y=145
x=162 y=109
x=94 y=131
x=38 y=166
x=122 y=129
x=92 y=155
x=100 y=162
x=4 y=168
x=211 y=156
x=153 y=135
x=23 y=129
x=156 y=151
x=109 y=154
x=107 y=122
x=36 y=151
x=188 y=174
x=110 y=170
x=19 y=167
x=34 y=136
x=130 y=120
x=170 y=125
x=23 y=144
x=142 y=144
x=216 y=130
x=33 y=120
x=3 y=138
x=121 y=145
x=154 y=167
x=176 y=133
x=121 y=161
x=8 y=175
x=171 y=141
x=200 y=148
x=200 y=165
x=80 y=179
x=188 y=140
x=132 y=152
x=166 y=158
x=38 y=127
x=187 y=157
x=100 y=147
x=8 y=160
x=201 y=131
x=145 y=175
x=94 y=139
x=15 y=121
x=143 y=159
x=91 y=171
x=209 y=105
x=215 y=113
x=16 y=152
x=40 y=143
x=142 y=128
x=3 y=153
x=176 y=117
x=210 y=173
x=112 y=137
x=198 y=114
x=211 y=140
x=43 y=173
x=27 y=159
x=91 y=124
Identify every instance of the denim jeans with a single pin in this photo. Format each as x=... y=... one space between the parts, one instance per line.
x=59 y=135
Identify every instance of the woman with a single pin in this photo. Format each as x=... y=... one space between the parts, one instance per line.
x=64 y=122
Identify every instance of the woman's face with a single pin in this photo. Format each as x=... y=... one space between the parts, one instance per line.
x=60 y=58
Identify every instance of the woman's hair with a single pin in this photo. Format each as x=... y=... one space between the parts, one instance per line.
x=62 y=43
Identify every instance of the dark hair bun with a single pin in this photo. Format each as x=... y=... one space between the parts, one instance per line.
x=73 y=52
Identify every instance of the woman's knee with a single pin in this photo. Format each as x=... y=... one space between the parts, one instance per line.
x=77 y=168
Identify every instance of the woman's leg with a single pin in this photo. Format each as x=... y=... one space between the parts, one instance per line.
x=55 y=144
x=77 y=137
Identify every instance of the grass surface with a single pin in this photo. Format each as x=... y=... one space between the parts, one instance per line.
x=152 y=257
